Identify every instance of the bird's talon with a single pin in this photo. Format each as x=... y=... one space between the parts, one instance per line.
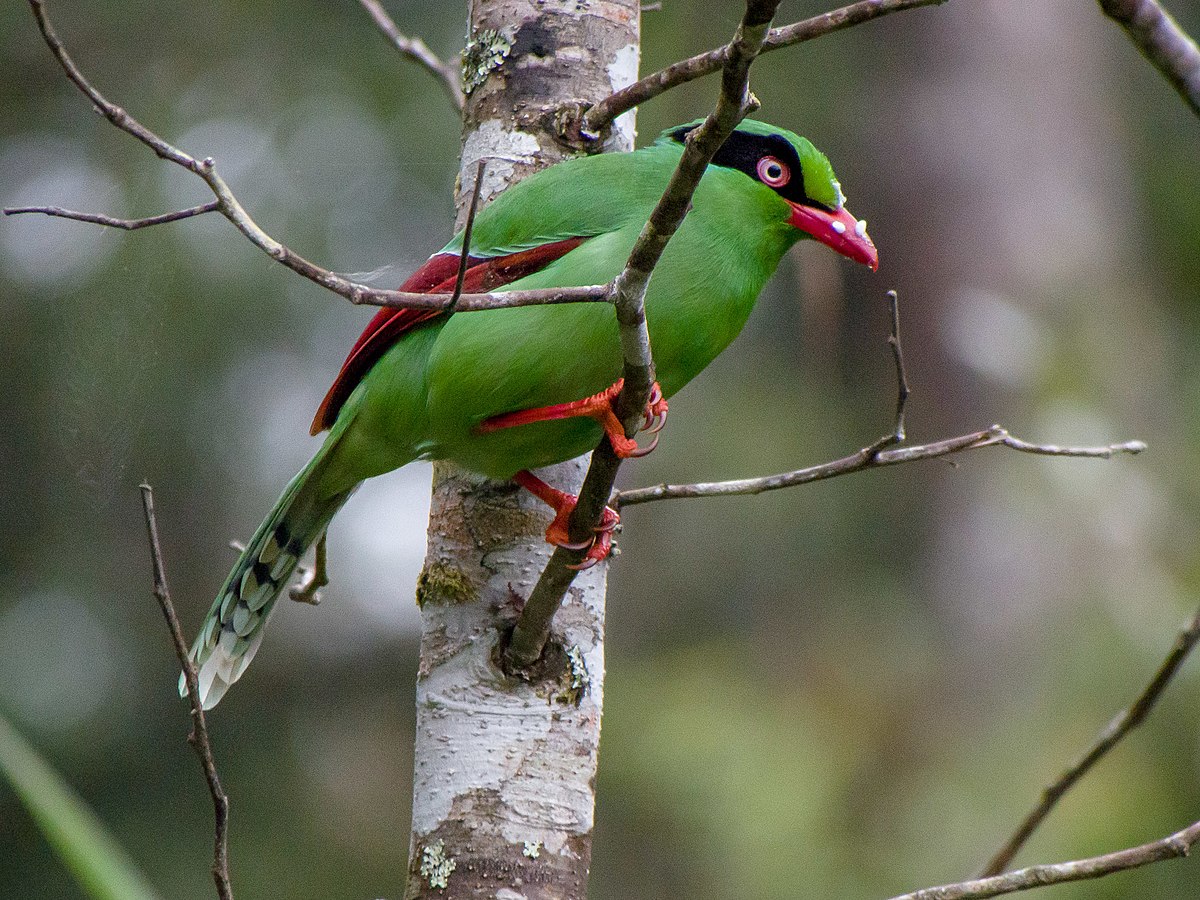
x=644 y=451
x=558 y=534
x=656 y=411
x=601 y=547
x=655 y=424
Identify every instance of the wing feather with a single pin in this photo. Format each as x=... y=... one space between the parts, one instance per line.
x=436 y=276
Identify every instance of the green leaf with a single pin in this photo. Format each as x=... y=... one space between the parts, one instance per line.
x=98 y=862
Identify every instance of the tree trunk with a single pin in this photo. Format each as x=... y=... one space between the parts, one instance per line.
x=504 y=771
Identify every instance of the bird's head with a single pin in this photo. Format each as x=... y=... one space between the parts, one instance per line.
x=800 y=174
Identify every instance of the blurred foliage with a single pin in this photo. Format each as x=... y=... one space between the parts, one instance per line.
x=98 y=863
x=850 y=689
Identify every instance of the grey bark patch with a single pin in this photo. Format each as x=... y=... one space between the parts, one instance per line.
x=486 y=864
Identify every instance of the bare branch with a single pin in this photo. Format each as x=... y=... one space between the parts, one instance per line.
x=1171 y=847
x=229 y=206
x=602 y=114
x=357 y=293
x=199 y=735
x=867 y=458
x=416 y=50
x=109 y=221
x=1122 y=723
x=629 y=294
x=1163 y=42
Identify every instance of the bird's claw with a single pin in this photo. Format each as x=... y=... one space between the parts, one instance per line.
x=601 y=548
x=636 y=452
x=653 y=419
x=598 y=546
x=656 y=411
x=656 y=403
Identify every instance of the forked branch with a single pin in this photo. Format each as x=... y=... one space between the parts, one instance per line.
x=1122 y=723
x=868 y=458
x=1173 y=846
x=227 y=204
x=879 y=454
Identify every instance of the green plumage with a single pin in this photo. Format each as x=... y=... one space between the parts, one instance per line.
x=426 y=394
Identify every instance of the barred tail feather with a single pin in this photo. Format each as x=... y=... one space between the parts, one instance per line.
x=233 y=628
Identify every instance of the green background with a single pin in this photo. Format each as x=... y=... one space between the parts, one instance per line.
x=846 y=690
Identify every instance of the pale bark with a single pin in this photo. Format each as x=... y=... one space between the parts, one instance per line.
x=504 y=780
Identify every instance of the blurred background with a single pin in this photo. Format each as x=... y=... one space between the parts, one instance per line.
x=846 y=690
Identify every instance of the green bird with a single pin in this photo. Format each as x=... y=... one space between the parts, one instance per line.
x=504 y=391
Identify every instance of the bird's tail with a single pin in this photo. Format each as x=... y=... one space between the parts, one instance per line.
x=233 y=628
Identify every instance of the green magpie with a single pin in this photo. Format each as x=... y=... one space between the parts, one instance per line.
x=505 y=391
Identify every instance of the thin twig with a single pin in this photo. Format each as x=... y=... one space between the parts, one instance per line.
x=109 y=221
x=902 y=389
x=1160 y=39
x=228 y=205
x=1171 y=847
x=110 y=111
x=418 y=51
x=464 y=258
x=199 y=734
x=629 y=294
x=599 y=117
x=1122 y=723
x=896 y=435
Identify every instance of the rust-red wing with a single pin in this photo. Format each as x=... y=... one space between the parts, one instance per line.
x=436 y=276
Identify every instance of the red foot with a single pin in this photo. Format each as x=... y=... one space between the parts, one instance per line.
x=598 y=407
x=598 y=547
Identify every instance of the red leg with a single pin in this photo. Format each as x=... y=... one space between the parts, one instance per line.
x=563 y=504
x=598 y=407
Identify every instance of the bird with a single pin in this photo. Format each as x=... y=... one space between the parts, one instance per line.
x=505 y=391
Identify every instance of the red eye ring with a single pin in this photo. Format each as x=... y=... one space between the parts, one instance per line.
x=773 y=172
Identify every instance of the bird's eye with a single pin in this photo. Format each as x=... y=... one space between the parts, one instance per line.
x=772 y=172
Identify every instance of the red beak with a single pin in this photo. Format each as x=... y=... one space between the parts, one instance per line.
x=839 y=230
